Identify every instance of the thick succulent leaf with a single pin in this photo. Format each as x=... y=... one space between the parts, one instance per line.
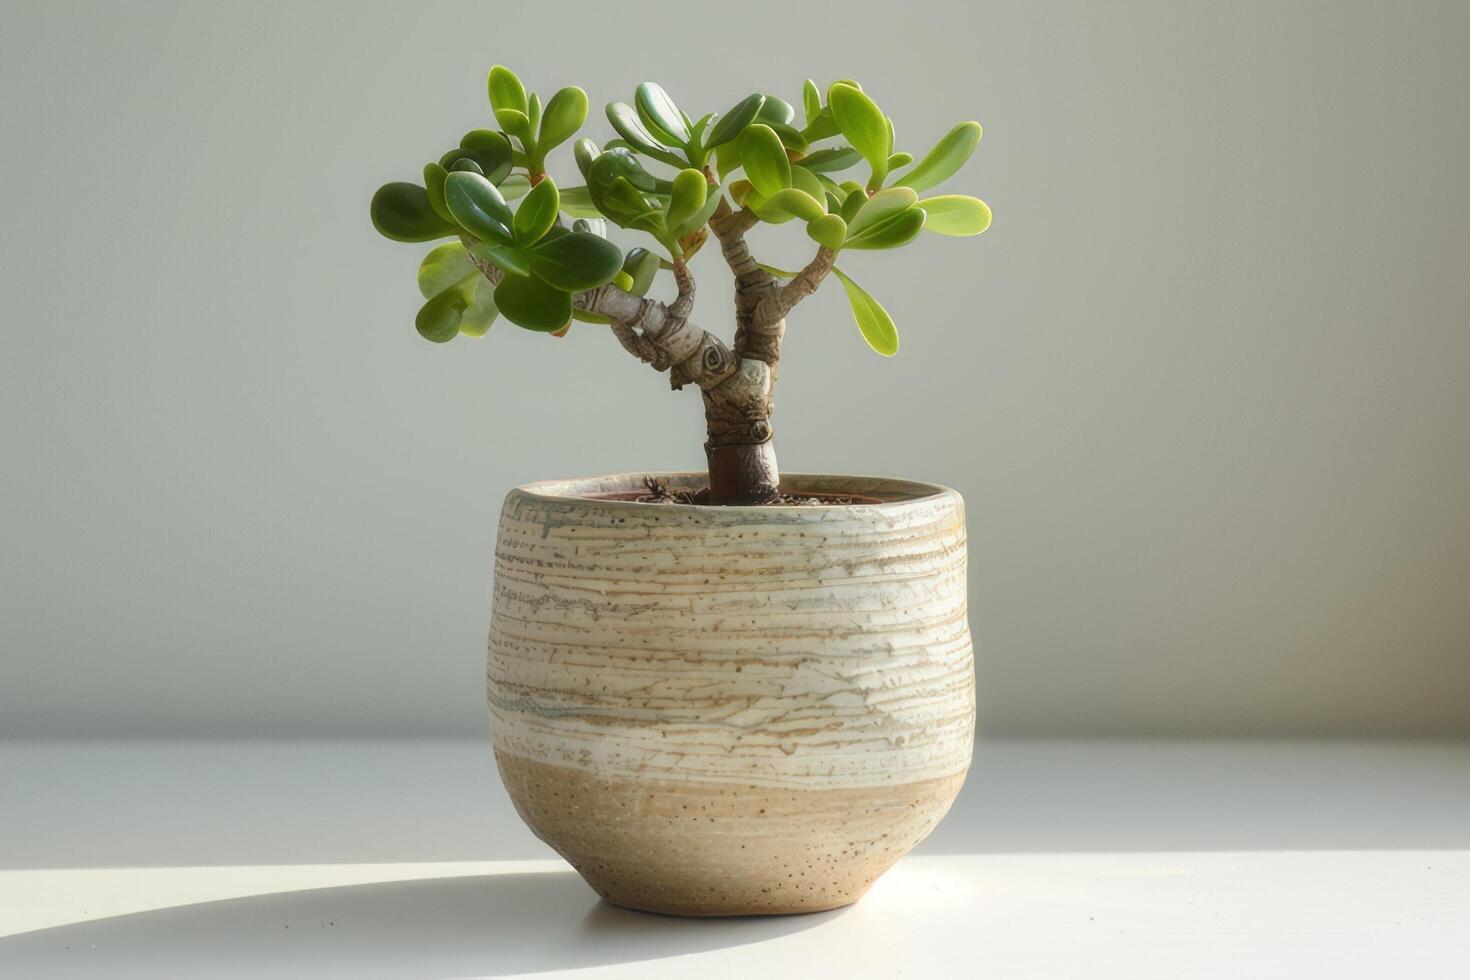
x=797 y=203
x=733 y=123
x=434 y=187
x=872 y=319
x=490 y=150
x=822 y=127
x=777 y=111
x=506 y=90
x=478 y=207
x=577 y=202
x=480 y=311
x=619 y=162
x=508 y=258
x=401 y=211
x=444 y=267
x=530 y=302
x=864 y=126
x=956 y=215
x=576 y=260
x=641 y=266
x=764 y=159
x=947 y=157
x=791 y=137
x=466 y=165
x=660 y=115
x=766 y=211
x=727 y=159
x=564 y=115
x=696 y=132
x=694 y=222
x=831 y=159
x=829 y=230
x=890 y=232
x=517 y=124
x=625 y=120
x=853 y=203
x=689 y=193
x=533 y=114
x=514 y=186
x=811 y=100
x=899 y=160
x=880 y=207
x=584 y=151
x=536 y=214
x=804 y=180
x=438 y=319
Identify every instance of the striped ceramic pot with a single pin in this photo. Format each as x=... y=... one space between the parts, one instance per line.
x=731 y=710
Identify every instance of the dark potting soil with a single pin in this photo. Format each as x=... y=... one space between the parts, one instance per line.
x=656 y=492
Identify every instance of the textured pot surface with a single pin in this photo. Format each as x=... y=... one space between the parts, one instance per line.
x=731 y=710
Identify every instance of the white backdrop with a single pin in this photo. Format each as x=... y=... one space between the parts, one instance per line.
x=1202 y=384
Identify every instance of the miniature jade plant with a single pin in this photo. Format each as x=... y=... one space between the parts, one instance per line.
x=546 y=261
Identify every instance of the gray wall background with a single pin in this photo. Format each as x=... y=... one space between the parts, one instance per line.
x=1203 y=384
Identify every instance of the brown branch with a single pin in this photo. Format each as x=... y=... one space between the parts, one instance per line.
x=783 y=299
x=657 y=333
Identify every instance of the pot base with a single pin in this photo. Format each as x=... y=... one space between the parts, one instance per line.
x=719 y=849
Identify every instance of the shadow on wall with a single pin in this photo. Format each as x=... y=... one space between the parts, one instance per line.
x=460 y=926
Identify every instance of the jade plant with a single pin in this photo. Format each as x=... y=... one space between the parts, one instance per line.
x=544 y=261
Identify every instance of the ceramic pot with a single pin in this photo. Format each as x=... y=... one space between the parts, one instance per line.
x=731 y=710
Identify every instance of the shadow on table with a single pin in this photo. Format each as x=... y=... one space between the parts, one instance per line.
x=461 y=926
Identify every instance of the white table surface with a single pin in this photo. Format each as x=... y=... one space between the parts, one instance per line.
x=404 y=859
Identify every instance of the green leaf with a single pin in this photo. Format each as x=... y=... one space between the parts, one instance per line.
x=480 y=312
x=804 y=180
x=517 y=124
x=791 y=138
x=445 y=266
x=466 y=165
x=956 y=215
x=811 y=101
x=505 y=257
x=831 y=159
x=872 y=319
x=829 y=230
x=630 y=128
x=565 y=114
x=514 y=186
x=696 y=220
x=689 y=193
x=577 y=202
x=822 y=127
x=434 y=186
x=800 y=204
x=401 y=211
x=641 y=266
x=576 y=260
x=536 y=214
x=891 y=232
x=533 y=303
x=696 y=132
x=727 y=159
x=478 y=207
x=584 y=151
x=533 y=114
x=733 y=123
x=764 y=158
x=942 y=162
x=777 y=111
x=506 y=90
x=881 y=206
x=853 y=203
x=490 y=150
x=899 y=160
x=660 y=114
x=438 y=319
x=864 y=126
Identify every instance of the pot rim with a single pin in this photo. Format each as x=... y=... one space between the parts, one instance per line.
x=893 y=492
